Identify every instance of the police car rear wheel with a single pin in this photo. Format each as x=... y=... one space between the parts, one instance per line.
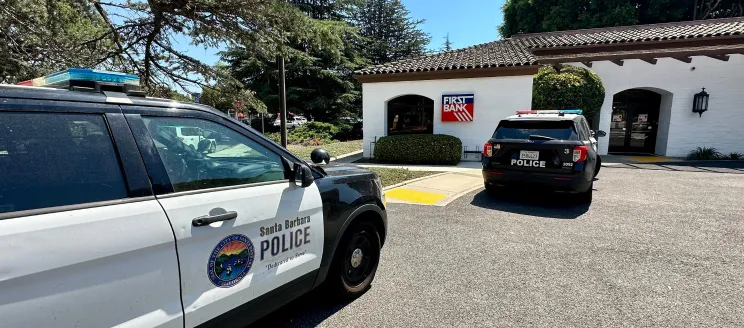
x=356 y=261
x=586 y=197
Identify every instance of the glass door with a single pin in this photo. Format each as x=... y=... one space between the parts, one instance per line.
x=643 y=122
x=618 y=130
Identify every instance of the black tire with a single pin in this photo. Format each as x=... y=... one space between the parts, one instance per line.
x=586 y=197
x=345 y=279
x=597 y=166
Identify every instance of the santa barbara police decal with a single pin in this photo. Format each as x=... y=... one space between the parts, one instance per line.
x=230 y=261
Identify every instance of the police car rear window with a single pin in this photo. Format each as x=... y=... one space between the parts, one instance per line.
x=559 y=130
x=49 y=160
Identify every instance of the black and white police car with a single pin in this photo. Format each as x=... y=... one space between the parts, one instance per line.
x=542 y=150
x=109 y=219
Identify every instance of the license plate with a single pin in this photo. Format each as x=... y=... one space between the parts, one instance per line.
x=529 y=154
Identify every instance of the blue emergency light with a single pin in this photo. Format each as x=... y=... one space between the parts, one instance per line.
x=87 y=78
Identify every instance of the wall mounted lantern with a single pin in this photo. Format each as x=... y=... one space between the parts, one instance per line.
x=700 y=102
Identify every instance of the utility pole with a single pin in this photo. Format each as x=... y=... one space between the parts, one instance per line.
x=282 y=100
x=694 y=10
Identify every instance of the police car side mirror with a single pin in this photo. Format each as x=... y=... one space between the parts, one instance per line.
x=303 y=176
x=320 y=156
x=600 y=133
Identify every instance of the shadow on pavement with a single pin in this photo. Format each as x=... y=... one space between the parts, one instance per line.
x=735 y=167
x=308 y=310
x=547 y=205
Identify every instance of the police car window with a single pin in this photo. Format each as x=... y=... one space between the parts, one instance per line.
x=190 y=132
x=559 y=130
x=216 y=156
x=585 y=134
x=49 y=160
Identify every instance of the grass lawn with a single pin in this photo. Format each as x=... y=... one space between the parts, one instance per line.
x=391 y=176
x=334 y=149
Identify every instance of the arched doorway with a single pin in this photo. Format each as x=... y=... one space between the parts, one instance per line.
x=635 y=121
x=410 y=114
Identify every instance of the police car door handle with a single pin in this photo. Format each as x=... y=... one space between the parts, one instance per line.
x=209 y=219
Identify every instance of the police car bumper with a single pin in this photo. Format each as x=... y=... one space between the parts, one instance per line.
x=537 y=181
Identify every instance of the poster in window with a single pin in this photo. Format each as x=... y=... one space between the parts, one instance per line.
x=617 y=118
x=642 y=117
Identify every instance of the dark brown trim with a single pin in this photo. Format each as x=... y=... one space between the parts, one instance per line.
x=449 y=74
x=618 y=62
x=628 y=27
x=684 y=59
x=680 y=54
x=587 y=64
x=651 y=61
x=719 y=57
x=640 y=45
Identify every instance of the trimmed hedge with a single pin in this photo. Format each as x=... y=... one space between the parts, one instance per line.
x=570 y=88
x=419 y=149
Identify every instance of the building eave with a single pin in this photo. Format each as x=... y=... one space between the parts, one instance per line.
x=449 y=74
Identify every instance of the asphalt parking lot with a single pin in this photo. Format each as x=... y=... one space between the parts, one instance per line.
x=655 y=248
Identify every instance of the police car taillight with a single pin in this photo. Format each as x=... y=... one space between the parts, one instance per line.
x=580 y=153
x=488 y=149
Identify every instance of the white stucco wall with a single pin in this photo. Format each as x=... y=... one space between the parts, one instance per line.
x=722 y=126
x=495 y=98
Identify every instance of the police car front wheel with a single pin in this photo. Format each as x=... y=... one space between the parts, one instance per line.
x=356 y=260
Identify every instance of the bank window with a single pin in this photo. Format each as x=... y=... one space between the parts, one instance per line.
x=410 y=114
x=200 y=154
x=56 y=159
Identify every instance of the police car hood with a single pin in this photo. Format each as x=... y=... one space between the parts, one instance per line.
x=335 y=170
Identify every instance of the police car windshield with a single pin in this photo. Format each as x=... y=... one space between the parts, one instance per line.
x=558 y=130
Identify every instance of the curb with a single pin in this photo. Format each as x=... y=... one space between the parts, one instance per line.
x=346 y=155
x=413 y=180
x=458 y=195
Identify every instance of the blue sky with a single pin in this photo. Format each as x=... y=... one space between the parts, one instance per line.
x=468 y=22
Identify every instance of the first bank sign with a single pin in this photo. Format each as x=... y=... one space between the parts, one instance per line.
x=457 y=108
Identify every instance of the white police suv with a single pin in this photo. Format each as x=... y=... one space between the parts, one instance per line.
x=107 y=218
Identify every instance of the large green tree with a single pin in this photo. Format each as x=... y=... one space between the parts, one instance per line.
x=388 y=31
x=40 y=37
x=146 y=37
x=318 y=76
x=531 y=16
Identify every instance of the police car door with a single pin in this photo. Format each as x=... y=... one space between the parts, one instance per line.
x=242 y=228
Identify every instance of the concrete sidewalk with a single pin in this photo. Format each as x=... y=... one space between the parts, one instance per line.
x=460 y=167
x=437 y=190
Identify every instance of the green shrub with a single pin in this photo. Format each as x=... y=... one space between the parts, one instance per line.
x=316 y=132
x=735 y=156
x=570 y=88
x=419 y=149
x=275 y=136
x=704 y=154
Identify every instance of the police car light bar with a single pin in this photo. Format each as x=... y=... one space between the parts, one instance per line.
x=85 y=77
x=563 y=111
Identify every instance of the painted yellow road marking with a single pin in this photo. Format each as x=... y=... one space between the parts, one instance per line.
x=415 y=196
x=652 y=159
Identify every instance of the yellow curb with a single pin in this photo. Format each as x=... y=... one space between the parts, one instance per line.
x=415 y=196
